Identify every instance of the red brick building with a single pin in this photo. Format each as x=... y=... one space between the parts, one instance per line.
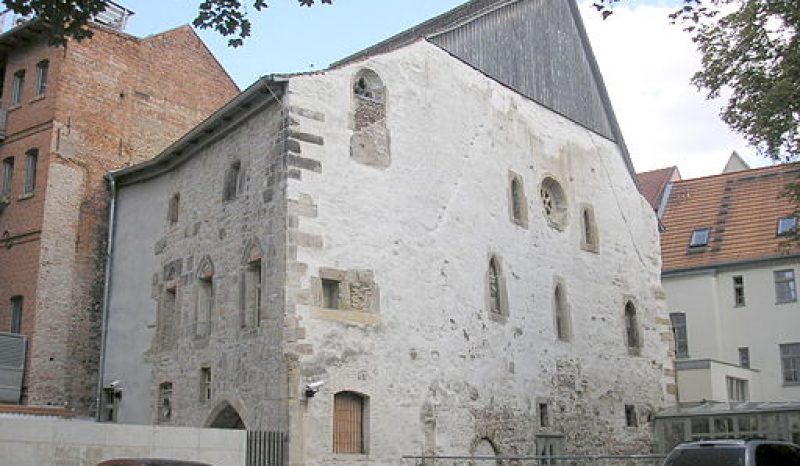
x=71 y=114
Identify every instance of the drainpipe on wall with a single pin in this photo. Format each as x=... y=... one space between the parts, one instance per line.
x=106 y=289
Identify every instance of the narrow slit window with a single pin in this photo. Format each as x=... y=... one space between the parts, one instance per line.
x=678 y=320
x=738 y=291
x=232 y=182
x=165 y=402
x=631 y=327
x=561 y=314
x=631 y=420
x=16 y=315
x=205 y=384
x=744 y=357
x=516 y=201
x=544 y=415
x=254 y=291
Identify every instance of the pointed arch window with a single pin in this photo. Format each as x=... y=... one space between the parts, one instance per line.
x=589 y=236
x=251 y=289
x=563 y=324
x=496 y=294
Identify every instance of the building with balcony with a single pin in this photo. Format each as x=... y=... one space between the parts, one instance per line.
x=71 y=114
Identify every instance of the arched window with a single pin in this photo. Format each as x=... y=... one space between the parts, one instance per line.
x=165 y=402
x=494 y=287
x=173 y=210
x=369 y=143
x=518 y=203
x=496 y=297
x=251 y=289
x=589 y=239
x=205 y=297
x=563 y=330
x=554 y=203
x=349 y=423
x=631 y=327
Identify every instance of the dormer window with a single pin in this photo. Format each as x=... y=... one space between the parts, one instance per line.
x=700 y=237
x=786 y=225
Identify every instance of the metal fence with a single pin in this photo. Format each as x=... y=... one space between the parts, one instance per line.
x=555 y=460
x=266 y=448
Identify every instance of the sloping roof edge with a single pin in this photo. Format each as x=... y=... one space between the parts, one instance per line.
x=264 y=91
x=475 y=9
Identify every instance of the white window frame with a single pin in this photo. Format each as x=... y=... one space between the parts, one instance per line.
x=42 y=69
x=790 y=363
x=738 y=389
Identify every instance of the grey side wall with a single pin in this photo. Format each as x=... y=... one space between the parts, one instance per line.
x=131 y=308
x=245 y=359
x=535 y=48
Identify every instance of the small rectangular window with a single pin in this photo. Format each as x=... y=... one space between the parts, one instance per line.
x=738 y=291
x=165 y=402
x=330 y=294
x=786 y=225
x=630 y=416
x=16 y=315
x=744 y=357
x=678 y=320
x=8 y=176
x=18 y=85
x=544 y=415
x=41 y=77
x=737 y=389
x=31 y=160
x=790 y=363
x=785 y=288
x=700 y=237
x=205 y=384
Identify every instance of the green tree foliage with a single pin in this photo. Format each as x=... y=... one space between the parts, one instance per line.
x=68 y=18
x=750 y=54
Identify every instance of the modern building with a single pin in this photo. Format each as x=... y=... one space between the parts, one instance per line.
x=69 y=115
x=730 y=260
x=435 y=246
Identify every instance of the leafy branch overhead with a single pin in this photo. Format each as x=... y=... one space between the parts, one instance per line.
x=68 y=18
x=750 y=54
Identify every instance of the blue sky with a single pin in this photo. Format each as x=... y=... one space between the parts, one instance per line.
x=645 y=61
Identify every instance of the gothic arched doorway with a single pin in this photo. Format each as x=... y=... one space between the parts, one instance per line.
x=226 y=417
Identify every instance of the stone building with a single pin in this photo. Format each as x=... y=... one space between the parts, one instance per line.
x=435 y=246
x=71 y=114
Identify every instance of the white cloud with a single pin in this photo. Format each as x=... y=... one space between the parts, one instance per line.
x=647 y=64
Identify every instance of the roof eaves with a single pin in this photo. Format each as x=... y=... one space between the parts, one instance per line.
x=264 y=91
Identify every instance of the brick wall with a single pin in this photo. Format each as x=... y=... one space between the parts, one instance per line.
x=111 y=101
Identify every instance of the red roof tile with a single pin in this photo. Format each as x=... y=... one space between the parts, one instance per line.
x=654 y=182
x=742 y=209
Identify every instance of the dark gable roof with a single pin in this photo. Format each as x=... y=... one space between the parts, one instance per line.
x=252 y=100
x=653 y=183
x=741 y=208
x=538 y=48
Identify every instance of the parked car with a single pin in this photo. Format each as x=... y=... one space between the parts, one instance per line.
x=734 y=453
x=150 y=462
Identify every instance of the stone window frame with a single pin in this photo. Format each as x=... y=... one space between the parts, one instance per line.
x=346 y=279
x=206 y=381
x=204 y=298
x=368 y=85
x=517 y=200
x=544 y=418
x=233 y=181
x=632 y=326
x=561 y=311
x=590 y=237
x=554 y=201
x=496 y=306
x=343 y=402
x=251 y=280
x=167 y=320
x=165 y=408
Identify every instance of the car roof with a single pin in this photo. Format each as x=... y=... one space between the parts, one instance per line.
x=150 y=462
x=729 y=443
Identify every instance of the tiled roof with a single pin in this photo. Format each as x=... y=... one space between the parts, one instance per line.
x=741 y=208
x=653 y=183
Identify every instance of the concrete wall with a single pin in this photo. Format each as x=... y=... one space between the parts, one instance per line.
x=717 y=328
x=36 y=442
x=440 y=372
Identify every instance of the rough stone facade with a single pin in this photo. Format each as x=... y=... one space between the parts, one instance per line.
x=391 y=276
x=110 y=101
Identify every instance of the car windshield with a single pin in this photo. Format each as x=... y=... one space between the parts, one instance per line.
x=706 y=456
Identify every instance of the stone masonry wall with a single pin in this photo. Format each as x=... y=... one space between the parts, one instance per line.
x=243 y=353
x=440 y=373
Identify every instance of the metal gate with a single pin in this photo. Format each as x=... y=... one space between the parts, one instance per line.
x=266 y=448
